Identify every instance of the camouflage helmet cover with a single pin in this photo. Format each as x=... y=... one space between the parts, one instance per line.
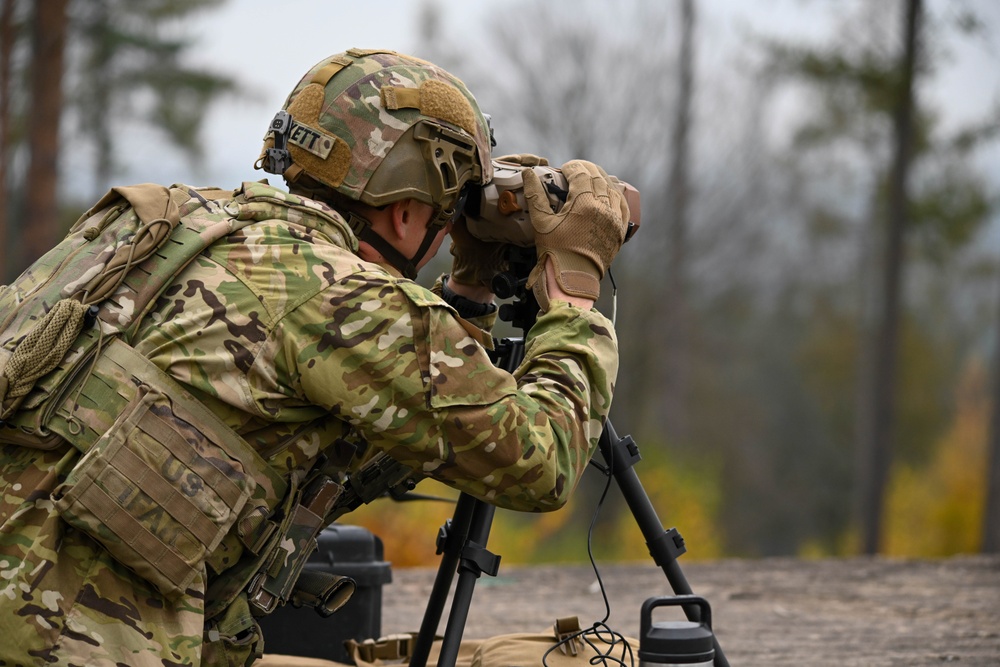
x=379 y=126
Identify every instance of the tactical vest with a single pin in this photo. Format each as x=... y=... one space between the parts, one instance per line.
x=163 y=481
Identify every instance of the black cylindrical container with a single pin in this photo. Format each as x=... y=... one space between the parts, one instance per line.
x=666 y=643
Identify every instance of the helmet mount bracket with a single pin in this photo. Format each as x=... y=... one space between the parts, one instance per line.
x=278 y=159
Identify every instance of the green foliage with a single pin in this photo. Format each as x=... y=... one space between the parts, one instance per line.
x=934 y=507
x=948 y=211
x=132 y=68
x=124 y=67
x=969 y=138
x=824 y=223
x=857 y=90
x=189 y=94
x=853 y=89
x=828 y=359
x=685 y=490
x=857 y=93
x=408 y=530
x=925 y=395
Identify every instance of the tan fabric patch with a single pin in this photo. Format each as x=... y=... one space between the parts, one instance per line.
x=327 y=72
x=360 y=53
x=436 y=99
x=314 y=141
x=440 y=100
x=323 y=156
x=394 y=97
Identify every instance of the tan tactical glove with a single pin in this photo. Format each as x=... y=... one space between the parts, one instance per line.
x=524 y=159
x=583 y=237
x=474 y=262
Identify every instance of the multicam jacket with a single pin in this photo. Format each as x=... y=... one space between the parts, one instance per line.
x=304 y=349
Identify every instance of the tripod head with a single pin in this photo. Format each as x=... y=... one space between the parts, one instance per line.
x=512 y=284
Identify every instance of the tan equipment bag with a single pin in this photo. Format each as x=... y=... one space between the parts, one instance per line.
x=563 y=645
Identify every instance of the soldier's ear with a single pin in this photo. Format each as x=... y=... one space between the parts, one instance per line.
x=408 y=217
x=400 y=217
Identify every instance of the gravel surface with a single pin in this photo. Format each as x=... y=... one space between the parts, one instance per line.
x=857 y=611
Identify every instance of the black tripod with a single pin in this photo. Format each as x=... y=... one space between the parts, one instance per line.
x=462 y=540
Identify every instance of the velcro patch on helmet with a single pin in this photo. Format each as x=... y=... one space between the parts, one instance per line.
x=327 y=71
x=433 y=98
x=361 y=53
x=332 y=154
x=318 y=143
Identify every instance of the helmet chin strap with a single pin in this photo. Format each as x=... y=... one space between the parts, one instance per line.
x=362 y=228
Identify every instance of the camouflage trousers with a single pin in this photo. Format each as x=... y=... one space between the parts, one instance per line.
x=63 y=600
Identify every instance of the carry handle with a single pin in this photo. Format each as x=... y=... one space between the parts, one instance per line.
x=646 y=613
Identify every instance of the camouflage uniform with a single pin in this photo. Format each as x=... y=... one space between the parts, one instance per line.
x=277 y=326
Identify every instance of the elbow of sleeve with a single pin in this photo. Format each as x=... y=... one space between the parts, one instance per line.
x=558 y=503
x=553 y=503
x=536 y=498
x=558 y=495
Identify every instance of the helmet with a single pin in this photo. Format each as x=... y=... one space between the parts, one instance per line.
x=378 y=127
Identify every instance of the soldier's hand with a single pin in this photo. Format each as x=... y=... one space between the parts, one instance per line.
x=524 y=159
x=581 y=239
x=475 y=261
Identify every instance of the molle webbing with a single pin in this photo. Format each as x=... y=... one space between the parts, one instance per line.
x=164 y=484
x=86 y=269
x=159 y=215
x=113 y=256
x=113 y=382
x=136 y=425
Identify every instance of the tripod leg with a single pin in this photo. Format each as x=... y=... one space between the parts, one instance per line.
x=463 y=550
x=664 y=546
x=470 y=568
x=455 y=536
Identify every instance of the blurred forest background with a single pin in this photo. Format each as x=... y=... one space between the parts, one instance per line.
x=808 y=317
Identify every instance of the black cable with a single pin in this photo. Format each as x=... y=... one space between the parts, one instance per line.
x=600 y=631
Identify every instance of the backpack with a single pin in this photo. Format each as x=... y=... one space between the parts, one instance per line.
x=68 y=373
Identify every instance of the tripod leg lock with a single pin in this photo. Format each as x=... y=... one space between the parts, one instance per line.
x=620 y=454
x=444 y=534
x=478 y=560
x=667 y=548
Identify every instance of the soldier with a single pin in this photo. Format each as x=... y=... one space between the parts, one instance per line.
x=185 y=375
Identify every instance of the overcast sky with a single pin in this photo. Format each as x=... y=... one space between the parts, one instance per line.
x=268 y=45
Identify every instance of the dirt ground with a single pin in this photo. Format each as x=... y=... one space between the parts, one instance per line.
x=858 y=611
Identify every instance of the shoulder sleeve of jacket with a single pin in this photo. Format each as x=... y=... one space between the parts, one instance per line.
x=370 y=338
x=398 y=363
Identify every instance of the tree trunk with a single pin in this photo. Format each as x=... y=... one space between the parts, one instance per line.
x=6 y=65
x=102 y=69
x=41 y=205
x=991 y=513
x=676 y=327
x=877 y=437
